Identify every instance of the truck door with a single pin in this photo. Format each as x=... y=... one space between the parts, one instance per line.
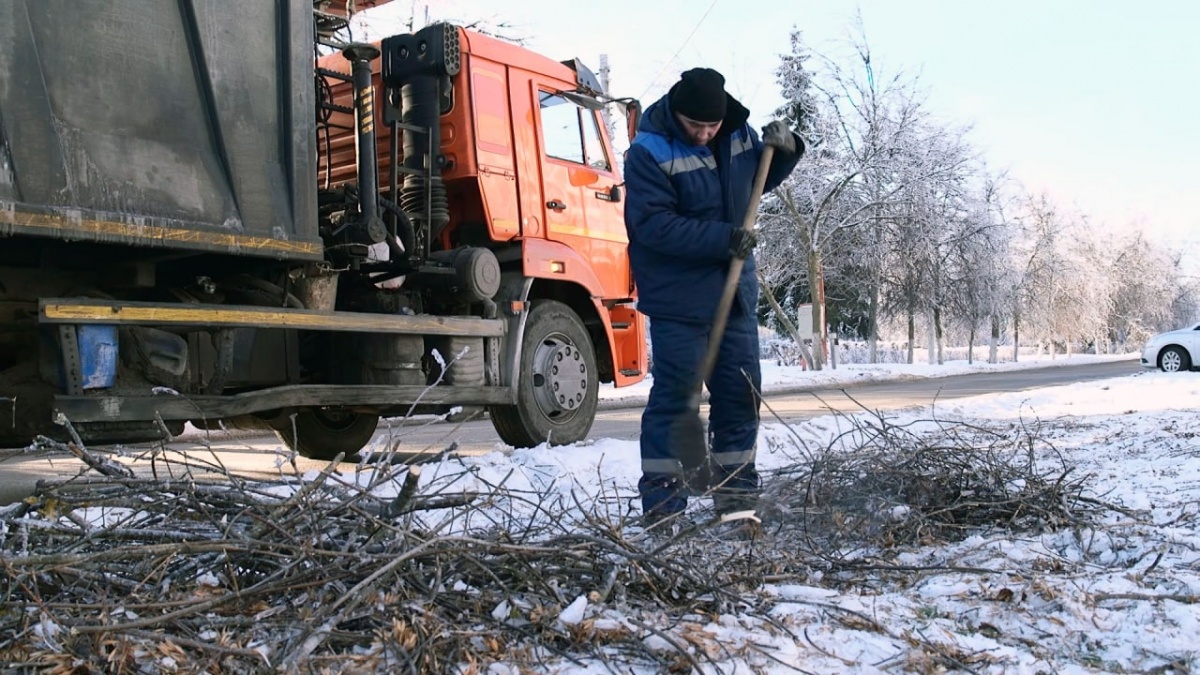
x=582 y=207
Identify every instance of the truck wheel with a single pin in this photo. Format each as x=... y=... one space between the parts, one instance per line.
x=556 y=395
x=321 y=433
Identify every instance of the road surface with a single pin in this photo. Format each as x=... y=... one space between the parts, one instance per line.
x=419 y=439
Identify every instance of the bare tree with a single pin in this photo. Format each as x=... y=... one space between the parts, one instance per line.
x=862 y=135
x=1062 y=294
x=981 y=275
x=942 y=201
x=395 y=18
x=891 y=211
x=1149 y=294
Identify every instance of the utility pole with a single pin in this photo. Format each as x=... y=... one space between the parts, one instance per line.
x=608 y=120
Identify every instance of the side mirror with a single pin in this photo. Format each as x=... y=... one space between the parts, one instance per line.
x=633 y=116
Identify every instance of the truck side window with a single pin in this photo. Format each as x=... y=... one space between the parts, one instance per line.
x=561 y=128
x=592 y=144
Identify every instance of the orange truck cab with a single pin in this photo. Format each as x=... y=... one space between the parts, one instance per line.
x=524 y=169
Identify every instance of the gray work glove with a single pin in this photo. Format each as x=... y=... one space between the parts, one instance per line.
x=742 y=242
x=778 y=135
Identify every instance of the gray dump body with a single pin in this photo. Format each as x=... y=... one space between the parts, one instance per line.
x=186 y=124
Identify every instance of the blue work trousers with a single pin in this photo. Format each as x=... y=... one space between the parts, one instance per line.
x=734 y=387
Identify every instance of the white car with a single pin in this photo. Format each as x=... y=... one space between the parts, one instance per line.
x=1173 y=351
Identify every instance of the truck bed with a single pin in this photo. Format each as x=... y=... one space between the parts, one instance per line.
x=176 y=124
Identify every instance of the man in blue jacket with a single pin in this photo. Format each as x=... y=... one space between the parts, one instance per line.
x=689 y=174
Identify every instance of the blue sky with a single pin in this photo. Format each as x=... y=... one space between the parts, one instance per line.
x=1094 y=102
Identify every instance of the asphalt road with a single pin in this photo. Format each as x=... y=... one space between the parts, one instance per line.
x=894 y=395
x=418 y=439
x=799 y=404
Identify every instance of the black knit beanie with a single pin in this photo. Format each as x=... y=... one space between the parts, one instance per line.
x=699 y=95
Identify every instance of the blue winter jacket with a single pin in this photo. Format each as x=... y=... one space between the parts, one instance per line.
x=682 y=206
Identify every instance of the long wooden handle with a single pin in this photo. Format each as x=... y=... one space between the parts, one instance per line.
x=735 y=271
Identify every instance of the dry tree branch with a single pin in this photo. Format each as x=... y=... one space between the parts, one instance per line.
x=417 y=571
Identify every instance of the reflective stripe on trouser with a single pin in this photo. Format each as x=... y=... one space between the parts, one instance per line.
x=678 y=349
x=729 y=460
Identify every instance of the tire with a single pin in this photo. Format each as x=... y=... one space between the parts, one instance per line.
x=322 y=433
x=559 y=382
x=1174 y=359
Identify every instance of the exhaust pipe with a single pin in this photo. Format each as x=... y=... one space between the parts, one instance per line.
x=370 y=226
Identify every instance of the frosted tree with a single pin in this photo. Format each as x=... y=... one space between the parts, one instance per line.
x=890 y=220
x=1032 y=247
x=857 y=127
x=987 y=288
x=1063 y=289
x=371 y=22
x=939 y=200
x=1150 y=292
x=779 y=276
x=1091 y=288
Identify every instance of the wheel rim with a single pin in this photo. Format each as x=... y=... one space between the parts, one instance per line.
x=1171 y=361
x=560 y=376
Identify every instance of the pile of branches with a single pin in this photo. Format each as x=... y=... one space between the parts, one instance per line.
x=206 y=571
x=195 y=569
x=883 y=485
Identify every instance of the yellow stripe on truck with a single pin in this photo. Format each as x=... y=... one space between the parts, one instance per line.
x=73 y=227
x=56 y=311
x=619 y=237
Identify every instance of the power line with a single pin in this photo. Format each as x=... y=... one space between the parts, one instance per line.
x=677 y=51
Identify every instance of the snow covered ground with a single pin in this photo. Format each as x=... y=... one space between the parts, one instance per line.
x=1116 y=589
x=1122 y=595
